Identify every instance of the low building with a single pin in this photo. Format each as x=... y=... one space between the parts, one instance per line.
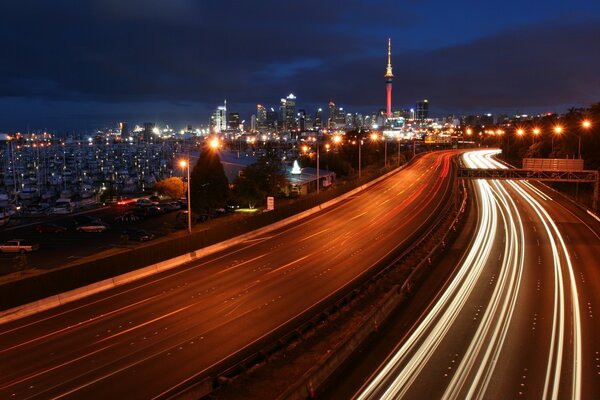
x=302 y=181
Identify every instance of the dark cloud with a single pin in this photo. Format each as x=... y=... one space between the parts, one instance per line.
x=121 y=55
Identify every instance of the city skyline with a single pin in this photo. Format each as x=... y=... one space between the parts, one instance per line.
x=76 y=69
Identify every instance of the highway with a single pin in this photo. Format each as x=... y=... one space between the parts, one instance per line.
x=143 y=339
x=516 y=321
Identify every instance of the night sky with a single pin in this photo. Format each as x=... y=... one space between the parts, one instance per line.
x=79 y=65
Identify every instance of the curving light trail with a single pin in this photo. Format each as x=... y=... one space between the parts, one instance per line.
x=471 y=379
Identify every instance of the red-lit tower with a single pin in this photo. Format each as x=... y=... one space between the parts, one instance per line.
x=388 y=80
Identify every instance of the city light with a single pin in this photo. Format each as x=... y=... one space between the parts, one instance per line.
x=214 y=143
x=586 y=124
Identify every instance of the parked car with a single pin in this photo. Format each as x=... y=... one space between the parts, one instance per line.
x=129 y=216
x=126 y=202
x=154 y=211
x=18 y=246
x=145 y=203
x=94 y=227
x=139 y=235
x=79 y=220
x=50 y=228
x=181 y=217
x=171 y=206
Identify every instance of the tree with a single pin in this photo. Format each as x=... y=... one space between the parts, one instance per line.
x=264 y=177
x=172 y=187
x=209 y=187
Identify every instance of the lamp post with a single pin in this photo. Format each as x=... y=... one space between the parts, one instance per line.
x=186 y=164
x=536 y=132
x=318 y=177
x=557 y=130
x=359 y=158
x=384 y=152
x=586 y=124
x=398 y=138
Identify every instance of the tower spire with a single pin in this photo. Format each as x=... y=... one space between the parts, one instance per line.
x=388 y=70
x=388 y=80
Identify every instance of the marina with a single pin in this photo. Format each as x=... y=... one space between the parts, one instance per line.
x=42 y=174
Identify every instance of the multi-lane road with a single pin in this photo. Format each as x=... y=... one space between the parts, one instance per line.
x=519 y=318
x=141 y=340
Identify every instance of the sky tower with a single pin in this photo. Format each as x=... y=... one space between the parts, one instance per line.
x=388 y=80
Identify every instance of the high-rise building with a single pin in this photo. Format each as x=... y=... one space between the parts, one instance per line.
x=124 y=129
x=233 y=120
x=272 y=119
x=318 y=119
x=422 y=112
x=302 y=120
x=289 y=117
x=388 y=80
x=149 y=128
x=218 y=121
x=261 y=118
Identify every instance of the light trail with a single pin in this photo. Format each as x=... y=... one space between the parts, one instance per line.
x=472 y=377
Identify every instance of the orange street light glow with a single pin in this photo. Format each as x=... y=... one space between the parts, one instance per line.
x=183 y=163
x=558 y=130
x=586 y=124
x=214 y=143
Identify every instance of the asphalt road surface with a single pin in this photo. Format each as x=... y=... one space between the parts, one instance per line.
x=517 y=319
x=141 y=340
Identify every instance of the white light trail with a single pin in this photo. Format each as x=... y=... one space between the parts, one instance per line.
x=476 y=368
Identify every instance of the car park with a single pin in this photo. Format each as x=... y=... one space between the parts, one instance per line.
x=79 y=220
x=139 y=235
x=50 y=228
x=182 y=217
x=129 y=216
x=153 y=211
x=171 y=206
x=94 y=227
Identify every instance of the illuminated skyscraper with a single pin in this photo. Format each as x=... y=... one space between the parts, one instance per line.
x=290 y=112
x=261 y=117
x=388 y=80
x=218 y=121
x=318 y=118
x=422 y=110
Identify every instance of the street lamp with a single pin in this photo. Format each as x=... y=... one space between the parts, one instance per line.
x=359 y=158
x=186 y=164
x=398 y=139
x=318 y=172
x=557 y=130
x=536 y=132
x=586 y=124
